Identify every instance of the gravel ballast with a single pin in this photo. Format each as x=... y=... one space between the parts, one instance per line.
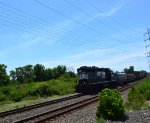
x=139 y=116
x=84 y=115
x=88 y=115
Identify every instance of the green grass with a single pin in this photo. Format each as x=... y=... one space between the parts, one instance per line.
x=138 y=96
x=100 y=120
x=35 y=90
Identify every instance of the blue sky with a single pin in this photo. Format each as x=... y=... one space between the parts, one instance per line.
x=103 y=33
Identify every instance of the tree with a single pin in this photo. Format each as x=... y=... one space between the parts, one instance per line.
x=48 y=74
x=38 y=71
x=130 y=70
x=4 y=78
x=20 y=75
x=28 y=73
x=70 y=72
x=13 y=76
x=59 y=70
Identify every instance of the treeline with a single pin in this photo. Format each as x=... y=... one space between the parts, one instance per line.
x=131 y=70
x=30 y=73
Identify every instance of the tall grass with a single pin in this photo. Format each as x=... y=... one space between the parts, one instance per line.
x=138 y=96
x=17 y=93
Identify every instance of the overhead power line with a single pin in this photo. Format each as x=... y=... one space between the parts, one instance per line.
x=112 y=18
x=34 y=18
x=42 y=22
x=75 y=21
x=17 y=22
x=40 y=31
x=99 y=10
x=83 y=11
x=26 y=27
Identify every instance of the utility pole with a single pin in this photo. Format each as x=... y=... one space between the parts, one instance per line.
x=147 y=45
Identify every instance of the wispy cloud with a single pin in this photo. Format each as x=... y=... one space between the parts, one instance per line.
x=108 y=13
x=92 y=53
x=116 y=61
x=116 y=58
x=122 y=58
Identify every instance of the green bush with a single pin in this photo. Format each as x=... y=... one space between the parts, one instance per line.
x=61 y=87
x=2 y=97
x=101 y=120
x=32 y=90
x=16 y=96
x=6 y=90
x=43 y=89
x=110 y=105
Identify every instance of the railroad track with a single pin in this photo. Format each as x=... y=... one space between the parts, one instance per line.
x=19 y=110
x=47 y=115
x=8 y=114
x=129 y=85
x=59 y=111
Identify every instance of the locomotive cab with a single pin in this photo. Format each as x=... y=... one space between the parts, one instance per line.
x=82 y=75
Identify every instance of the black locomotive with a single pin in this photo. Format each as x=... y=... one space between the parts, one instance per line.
x=92 y=79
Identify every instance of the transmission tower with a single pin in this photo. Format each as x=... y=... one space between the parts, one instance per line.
x=147 y=45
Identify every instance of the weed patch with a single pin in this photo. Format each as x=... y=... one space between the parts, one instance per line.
x=138 y=96
x=35 y=90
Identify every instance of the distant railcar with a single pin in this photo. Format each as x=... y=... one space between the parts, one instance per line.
x=121 y=78
x=140 y=74
x=131 y=77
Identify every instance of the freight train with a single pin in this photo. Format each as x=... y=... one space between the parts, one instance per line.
x=92 y=79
